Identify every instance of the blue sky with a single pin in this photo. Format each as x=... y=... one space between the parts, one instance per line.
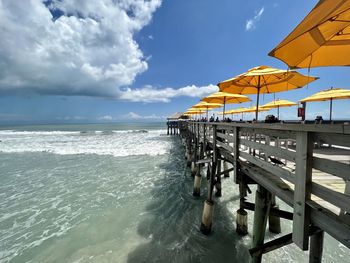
x=101 y=61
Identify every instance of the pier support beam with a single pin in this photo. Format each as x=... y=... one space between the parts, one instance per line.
x=207 y=217
x=218 y=188
x=189 y=151
x=197 y=184
x=316 y=247
x=193 y=166
x=262 y=209
x=274 y=221
x=242 y=222
x=198 y=176
x=227 y=173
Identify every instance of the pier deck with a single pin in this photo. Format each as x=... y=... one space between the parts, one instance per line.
x=305 y=165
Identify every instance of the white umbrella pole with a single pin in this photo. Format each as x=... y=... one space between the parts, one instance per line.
x=257 y=101
x=223 y=110
x=330 y=109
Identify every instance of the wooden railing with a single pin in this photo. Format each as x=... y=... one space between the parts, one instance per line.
x=281 y=158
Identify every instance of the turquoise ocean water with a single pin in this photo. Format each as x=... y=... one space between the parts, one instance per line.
x=115 y=193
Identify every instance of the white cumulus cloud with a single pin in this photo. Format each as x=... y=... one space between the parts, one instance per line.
x=151 y=94
x=251 y=23
x=70 y=47
x=136 y=116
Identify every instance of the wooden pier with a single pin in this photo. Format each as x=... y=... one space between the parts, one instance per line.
x=305 y=165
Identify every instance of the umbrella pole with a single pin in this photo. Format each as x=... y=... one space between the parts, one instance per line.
x=223 y=110
x=257 y=101
x=257 y=105
x=207 y=113
x=278 y=112
x=330 y=109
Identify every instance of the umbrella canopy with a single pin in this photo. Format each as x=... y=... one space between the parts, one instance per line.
x=330 y=94
x=279 y=103
x=264 y=79
x=253 y=109
x=225 y=98
x=193 y=112
x=235 y=111
x=321 y=39
x=206 y=106
x=240 y=110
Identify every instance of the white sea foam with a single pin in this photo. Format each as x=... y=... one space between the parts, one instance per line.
x=116 y=142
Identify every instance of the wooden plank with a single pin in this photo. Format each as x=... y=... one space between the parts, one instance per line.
x=270 y=150
x=272 y=133
x=271 y=245
x=273 y=211
x=274 y=169
x=204 y=161
x=302 y=191
x=269 y=181
x=333 y=139
x=225 y=136
x=225 y=171
x=227 y=155
x=330 y=223
x=332 y=167
x=338 y=199
x=225 y=146
x=320 y=128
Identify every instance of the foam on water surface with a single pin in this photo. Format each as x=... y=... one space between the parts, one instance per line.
x=111 y=142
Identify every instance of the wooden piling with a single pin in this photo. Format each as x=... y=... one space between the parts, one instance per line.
x=198 y=176
x=242 y=222
x=218 y=187
x=225 y=167
x=274 y=221
x=262 y=207
x=208 y=210
x=316 y=247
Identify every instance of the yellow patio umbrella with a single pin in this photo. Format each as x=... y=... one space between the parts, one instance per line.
x=264 y=79
x=253 y=109
x=236 y=111
x=207 y=106
x=194 y=111
x=277 y=104
x=225 y=98
x=321 y=39
x=330 y=94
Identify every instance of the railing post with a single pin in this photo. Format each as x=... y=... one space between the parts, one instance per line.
x=213 y=167
x=195 y=151
x=302 y=189
x=236 y=152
